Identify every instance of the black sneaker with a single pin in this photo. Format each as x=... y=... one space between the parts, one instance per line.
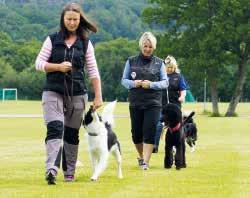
x=140 y=161
x=184 y=166
x=155 y=149
x=51 y=179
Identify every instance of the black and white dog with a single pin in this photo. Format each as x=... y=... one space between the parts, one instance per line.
x=190 y=129
x=102 y=140
x=178 y=131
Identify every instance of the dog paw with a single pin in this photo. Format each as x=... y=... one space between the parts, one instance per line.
x=93 y=179
x=192 y=149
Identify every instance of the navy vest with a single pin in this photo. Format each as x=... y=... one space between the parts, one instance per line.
x=173 y=89
x=143 y=68
x=72 y=82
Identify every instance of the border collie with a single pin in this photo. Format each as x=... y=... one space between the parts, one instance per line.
x=101 y=139
x=190 y=129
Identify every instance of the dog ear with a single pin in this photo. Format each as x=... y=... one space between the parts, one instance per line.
x=91 y=108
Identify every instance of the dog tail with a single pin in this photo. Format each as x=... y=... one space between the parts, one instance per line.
x=108 y=113
x=188 y=117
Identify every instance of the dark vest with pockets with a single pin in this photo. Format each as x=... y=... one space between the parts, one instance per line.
x=142 y=68
x=173 y=89
x=74 y=80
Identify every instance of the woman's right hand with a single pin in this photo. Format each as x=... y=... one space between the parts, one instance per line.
x=65 y=66
x=138 y=83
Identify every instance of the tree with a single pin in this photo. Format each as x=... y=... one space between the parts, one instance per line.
x=210 y=35
x=5 y=42
x=111 y=58
x=7 y=74
x=24 y=54
x=115 y=18
x=30 y=83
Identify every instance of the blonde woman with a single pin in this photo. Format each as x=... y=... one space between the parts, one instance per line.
x=175 y=92
x=144 y=76
x=177 y=85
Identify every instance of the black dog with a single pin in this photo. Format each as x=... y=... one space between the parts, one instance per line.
x=172 y=117
x=178 y=131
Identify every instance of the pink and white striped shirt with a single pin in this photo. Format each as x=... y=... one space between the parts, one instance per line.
x=45 y=53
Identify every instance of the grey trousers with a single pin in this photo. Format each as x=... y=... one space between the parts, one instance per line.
x=62 y=122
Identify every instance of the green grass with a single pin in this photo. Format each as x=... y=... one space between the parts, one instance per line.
x=219 y=168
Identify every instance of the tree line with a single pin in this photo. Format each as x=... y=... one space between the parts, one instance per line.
x=210 y=40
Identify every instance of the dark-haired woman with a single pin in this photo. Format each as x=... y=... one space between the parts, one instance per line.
x=63 y=57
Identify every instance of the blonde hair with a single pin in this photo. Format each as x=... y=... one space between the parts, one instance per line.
x=170 y=61
x=147 y=36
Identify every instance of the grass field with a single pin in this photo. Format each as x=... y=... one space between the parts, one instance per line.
x=219 y=168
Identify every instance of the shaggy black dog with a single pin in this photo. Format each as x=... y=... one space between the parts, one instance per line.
x=178 y=131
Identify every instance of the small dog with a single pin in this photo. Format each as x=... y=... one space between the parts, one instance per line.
x=178 y=131
x=101 y=139
x=190 y=129
x=172 y=117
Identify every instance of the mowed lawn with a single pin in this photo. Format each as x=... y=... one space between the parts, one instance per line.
x=219 y=168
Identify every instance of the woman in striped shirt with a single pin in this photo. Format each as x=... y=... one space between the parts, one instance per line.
x=63 y=57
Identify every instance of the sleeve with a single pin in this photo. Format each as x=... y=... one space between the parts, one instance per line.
x=182 y=83
x=91 y=64
x=126 y=82
x=44 y=55
x=163 y=83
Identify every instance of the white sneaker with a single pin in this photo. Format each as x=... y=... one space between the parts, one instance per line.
x=145 y=166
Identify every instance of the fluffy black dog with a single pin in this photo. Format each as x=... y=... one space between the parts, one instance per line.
x=172 y=117
x=178 y=131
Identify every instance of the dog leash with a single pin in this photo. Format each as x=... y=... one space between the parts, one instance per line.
x=167 y=91
x=92 y=134
x=66 y=94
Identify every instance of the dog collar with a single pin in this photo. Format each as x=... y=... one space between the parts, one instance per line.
x=92 y=134
x=176 y=128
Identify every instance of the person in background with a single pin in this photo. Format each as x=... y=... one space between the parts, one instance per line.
x=175 y=92
x=63 y=57
x=144 y=76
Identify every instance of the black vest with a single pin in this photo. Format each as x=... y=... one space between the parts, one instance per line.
x=72 y=82
x=142 y=68
x=173 y=89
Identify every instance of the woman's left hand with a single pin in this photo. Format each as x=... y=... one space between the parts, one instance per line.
x=97 y=102
x=181 y=99
x=145 y=84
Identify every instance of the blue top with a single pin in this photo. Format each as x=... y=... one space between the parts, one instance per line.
x=183 y=84
x=129 y=84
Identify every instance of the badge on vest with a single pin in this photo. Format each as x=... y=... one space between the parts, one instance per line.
x=133 y=75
